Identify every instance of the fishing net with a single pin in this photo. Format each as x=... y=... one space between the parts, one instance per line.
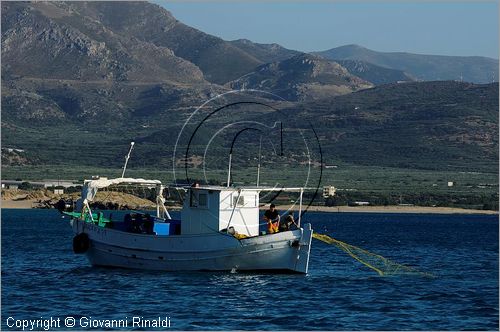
x=381 y=265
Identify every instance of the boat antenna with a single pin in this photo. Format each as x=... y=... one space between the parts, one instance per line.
x=127 y=158
x=258 y=165
x=229 y=167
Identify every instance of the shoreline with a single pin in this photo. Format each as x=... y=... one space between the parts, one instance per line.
x=391 y=209
x=28 y=204
x=21 y=204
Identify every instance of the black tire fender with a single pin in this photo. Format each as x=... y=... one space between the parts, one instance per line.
x=81 y=243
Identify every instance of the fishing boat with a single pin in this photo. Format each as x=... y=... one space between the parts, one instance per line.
x=219 y=230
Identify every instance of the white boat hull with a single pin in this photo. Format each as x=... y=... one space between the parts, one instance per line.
x=284 y=251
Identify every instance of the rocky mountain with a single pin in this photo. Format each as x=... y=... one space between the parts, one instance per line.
x=373 y=73
x=114 y=40
x=54 y=40
x=219 y=60
x=422 y=67
x=66 y=61
x=302 y=77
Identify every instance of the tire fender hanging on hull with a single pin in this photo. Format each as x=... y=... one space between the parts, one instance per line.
x=81 y=243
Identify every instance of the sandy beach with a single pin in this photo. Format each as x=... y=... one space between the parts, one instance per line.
x=19 y=199
x=21 y=204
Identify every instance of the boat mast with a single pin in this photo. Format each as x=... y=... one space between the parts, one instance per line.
x=127 y=158
x=229 y=167
x=300 y=206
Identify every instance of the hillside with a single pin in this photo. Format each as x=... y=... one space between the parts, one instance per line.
x=218 y=60
x=474 y=69
x=98 y=61
x=373 y=73
x=69 y=62
x=53 y=40
x=427 y=125
x=302 y=77
x=447 y=125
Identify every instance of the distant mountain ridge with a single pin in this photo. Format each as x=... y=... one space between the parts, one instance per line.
x=302 y=77
x=474 y=69
x=373 y=73
x=265 y=52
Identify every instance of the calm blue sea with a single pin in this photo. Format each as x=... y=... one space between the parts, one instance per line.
x=41 y=277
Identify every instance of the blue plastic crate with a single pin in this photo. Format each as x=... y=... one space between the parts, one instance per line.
x=162 y=228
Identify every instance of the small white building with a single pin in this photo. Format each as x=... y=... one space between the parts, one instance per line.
x=10 y=184
x=359 y=203
x=60 y=183
x=329 y=191
x=451 y=183
x=209 y=209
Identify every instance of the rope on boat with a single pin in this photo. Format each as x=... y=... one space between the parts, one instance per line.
x=381 y=265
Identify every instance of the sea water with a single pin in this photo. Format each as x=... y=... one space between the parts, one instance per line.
x=43 y=282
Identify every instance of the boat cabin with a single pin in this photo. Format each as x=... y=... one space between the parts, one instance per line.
x=212 y=209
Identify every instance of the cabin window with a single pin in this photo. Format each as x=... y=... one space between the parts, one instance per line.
x=202 y=200
x=198 y=199
x=239 y=201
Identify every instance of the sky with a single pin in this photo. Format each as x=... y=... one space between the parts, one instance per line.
x=425 y=27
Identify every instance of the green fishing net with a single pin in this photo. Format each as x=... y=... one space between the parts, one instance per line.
x=381 y=265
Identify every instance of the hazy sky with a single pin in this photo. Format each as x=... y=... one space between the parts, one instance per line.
x=429 y=27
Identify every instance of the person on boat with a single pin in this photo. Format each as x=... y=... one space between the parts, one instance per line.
x=288 y=222
x=272 y=217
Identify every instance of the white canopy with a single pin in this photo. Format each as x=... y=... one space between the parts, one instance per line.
x=90 y=187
